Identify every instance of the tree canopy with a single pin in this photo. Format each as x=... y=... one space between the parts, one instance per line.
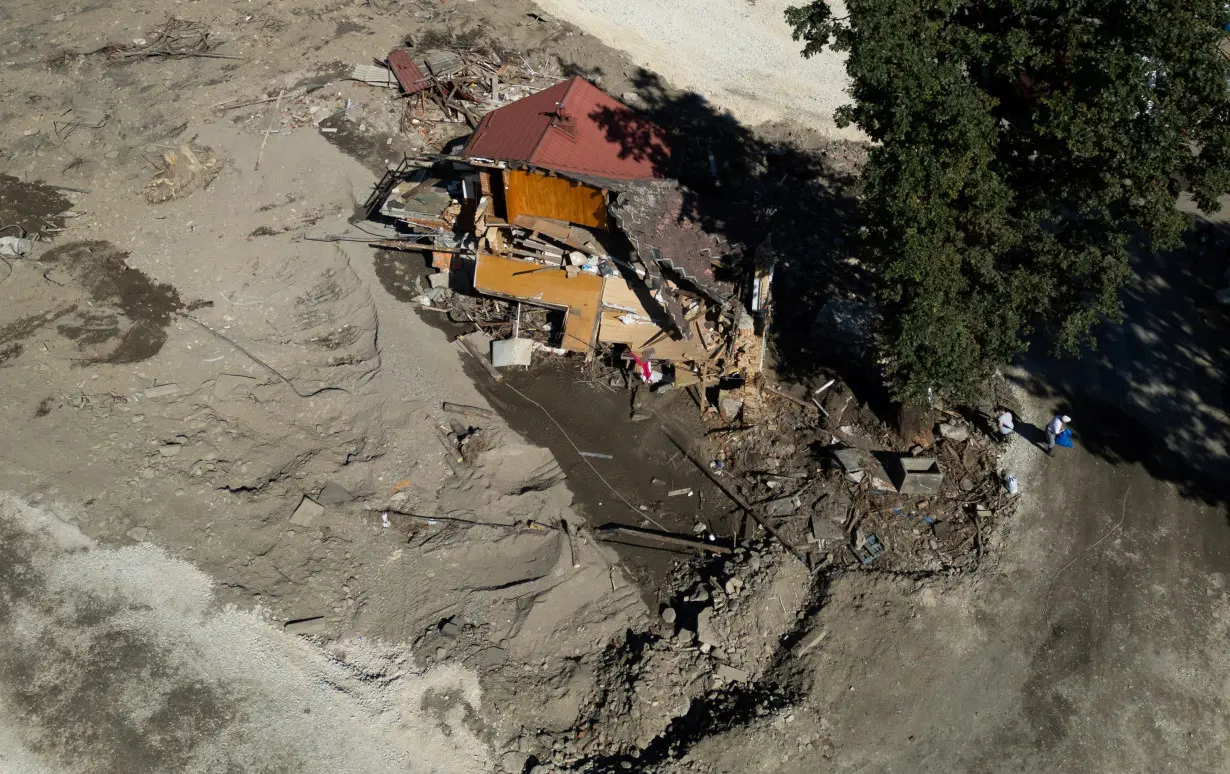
x=1019 y=147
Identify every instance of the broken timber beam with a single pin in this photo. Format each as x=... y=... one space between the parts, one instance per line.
x=461 y=408
x=483 y=360
x=789 y=397
x=664 y=538
x=735 y=498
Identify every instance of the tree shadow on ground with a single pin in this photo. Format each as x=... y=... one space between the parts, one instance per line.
x=1155 y=391
x=748 y=186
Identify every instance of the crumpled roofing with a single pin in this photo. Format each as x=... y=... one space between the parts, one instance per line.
x=595 y=135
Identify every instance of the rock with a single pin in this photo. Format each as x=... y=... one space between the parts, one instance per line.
x=438 y=280
x=450 y=628
x=825 y=529
x=782 y=506
x=704 y=628
x=138 y=534
x=514 y=762
x=668 y=615
x=730 y=674
x=170 y=449
x=307 y=512
x=161 y=391
x=850 y=459
x=334 y=494
x=441 y=652
x=730 y=406
x=953 y=432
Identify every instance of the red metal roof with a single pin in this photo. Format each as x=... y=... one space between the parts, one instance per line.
x=406 y=71
x=573 y=127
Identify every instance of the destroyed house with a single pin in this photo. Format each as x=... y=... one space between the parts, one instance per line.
x=561 y=199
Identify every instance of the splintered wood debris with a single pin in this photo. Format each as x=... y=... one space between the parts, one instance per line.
x=622 y=274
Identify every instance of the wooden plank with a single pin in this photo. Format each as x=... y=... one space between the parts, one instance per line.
x=646 y=339
x=574 y=236
x=517 y=280
x=665 y=539
x=533 y=193
x=617 y=293
x=469 y=346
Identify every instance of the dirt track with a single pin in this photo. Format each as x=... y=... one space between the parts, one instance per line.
x=146 y=450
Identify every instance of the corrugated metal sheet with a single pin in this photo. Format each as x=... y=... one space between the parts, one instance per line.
x=408 y=73
x=596 y=134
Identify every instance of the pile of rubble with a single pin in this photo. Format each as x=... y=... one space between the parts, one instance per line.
x=559 y=201
x=832 y=480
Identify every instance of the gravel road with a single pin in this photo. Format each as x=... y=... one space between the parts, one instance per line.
x=737 y=53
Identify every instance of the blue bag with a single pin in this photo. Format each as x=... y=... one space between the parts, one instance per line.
x=1064 y=439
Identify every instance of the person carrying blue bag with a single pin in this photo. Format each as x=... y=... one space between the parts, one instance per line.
x=1058 y=434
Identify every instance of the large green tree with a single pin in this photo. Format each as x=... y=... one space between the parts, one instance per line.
x=1019 y=147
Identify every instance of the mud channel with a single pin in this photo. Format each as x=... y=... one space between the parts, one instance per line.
x=600 y=416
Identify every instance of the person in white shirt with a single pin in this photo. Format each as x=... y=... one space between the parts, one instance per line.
x=1057 y=425
x=1004 y=426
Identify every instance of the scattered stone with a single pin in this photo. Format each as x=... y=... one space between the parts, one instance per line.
x=170 y=449
x=307 y=512
x=138 y=534
x=441 y=652
x=438 y=280
x=668 y=615
x=334 y=494
x=450 y=628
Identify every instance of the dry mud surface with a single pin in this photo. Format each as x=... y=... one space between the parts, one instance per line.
x=179 y=374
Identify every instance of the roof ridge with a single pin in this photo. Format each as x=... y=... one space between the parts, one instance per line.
x=572 y=82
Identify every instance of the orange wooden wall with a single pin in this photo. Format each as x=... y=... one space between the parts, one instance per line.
x=533 y=193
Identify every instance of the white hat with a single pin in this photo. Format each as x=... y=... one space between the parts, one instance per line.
x=1067 y=418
